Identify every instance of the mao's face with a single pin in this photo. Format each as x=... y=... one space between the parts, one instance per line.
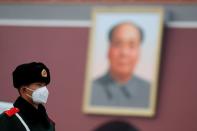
x=124 y=49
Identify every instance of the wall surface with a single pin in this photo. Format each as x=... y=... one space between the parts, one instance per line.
x=97 y=1
x=64 y=50
x=173 y=12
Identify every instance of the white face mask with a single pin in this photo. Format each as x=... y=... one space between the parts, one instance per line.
x=40 y=95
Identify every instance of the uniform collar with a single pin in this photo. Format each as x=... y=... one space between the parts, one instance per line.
x=114 y=82
x=111 y=83
x=30 y=113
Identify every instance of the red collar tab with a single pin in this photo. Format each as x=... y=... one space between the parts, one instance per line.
x=11 y=111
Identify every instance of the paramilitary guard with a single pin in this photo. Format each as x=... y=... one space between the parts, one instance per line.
x=28 y=112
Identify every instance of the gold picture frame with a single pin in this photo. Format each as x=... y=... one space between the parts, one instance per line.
x=150 y=21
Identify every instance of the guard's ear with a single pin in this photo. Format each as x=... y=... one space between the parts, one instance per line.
x=22 y=90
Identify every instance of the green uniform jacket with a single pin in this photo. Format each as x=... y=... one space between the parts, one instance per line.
x=35 y=119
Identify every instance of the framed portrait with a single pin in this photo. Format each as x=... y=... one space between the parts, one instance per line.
x=123 y=61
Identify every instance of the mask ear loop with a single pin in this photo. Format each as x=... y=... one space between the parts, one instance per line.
x=29 y=90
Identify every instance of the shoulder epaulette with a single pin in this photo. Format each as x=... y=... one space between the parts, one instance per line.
x=11 y=111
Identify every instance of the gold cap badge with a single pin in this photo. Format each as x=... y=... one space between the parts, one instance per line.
x=44 y=73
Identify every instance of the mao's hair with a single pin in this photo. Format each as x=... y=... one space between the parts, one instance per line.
x=111 y=31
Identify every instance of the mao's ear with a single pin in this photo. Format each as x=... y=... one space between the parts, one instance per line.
x=108 y=51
